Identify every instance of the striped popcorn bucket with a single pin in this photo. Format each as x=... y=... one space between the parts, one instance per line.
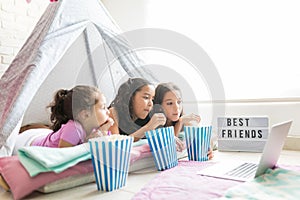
x=163 y=147
x=197 y=142
x=110 y=157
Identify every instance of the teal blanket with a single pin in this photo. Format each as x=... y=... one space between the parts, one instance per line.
x=37 y=159
x=274 y=184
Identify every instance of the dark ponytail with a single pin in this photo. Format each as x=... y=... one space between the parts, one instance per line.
x=68 y=103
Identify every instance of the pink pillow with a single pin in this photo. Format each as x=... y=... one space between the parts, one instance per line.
x=21 y=184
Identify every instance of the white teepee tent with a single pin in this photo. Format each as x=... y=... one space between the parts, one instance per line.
x=71 y=44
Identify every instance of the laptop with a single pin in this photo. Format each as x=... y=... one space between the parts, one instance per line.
x=248 y=171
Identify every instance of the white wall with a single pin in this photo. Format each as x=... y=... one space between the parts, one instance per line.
x=254 y=44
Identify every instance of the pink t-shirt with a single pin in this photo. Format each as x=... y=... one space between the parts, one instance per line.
x=71 y=132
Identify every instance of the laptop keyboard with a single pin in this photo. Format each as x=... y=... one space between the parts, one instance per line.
x=245 y=170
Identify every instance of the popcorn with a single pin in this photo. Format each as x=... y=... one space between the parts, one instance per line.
x=110 y=157
x=163 y=147
x=197 y=142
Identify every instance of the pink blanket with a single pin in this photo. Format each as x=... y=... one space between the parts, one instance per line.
x=182 y=182
x=21 y=184
x=139 y=152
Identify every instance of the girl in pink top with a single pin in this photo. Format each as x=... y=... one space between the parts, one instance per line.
x=76 y=115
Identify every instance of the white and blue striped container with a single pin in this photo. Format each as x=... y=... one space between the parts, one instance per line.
x=111 y=157
x=163 y=147
x=197 y=142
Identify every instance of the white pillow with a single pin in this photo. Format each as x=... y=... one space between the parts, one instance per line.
x=27 y=136
x=8 y=147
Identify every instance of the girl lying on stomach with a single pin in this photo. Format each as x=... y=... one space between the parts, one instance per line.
x=76 y=115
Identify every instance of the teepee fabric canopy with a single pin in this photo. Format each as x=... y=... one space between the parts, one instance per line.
x=73 y=43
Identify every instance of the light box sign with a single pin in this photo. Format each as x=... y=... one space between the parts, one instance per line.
x=242 y=133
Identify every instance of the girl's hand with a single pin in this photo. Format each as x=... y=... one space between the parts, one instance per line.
x=105 y=127
x=158 y=119
x=180 y=145
x=102 y=130
x=210 y=154
x=96 y=133
x=187 y=119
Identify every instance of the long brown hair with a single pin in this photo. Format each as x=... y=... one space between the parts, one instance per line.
x=123 y=103
x=160 y=92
